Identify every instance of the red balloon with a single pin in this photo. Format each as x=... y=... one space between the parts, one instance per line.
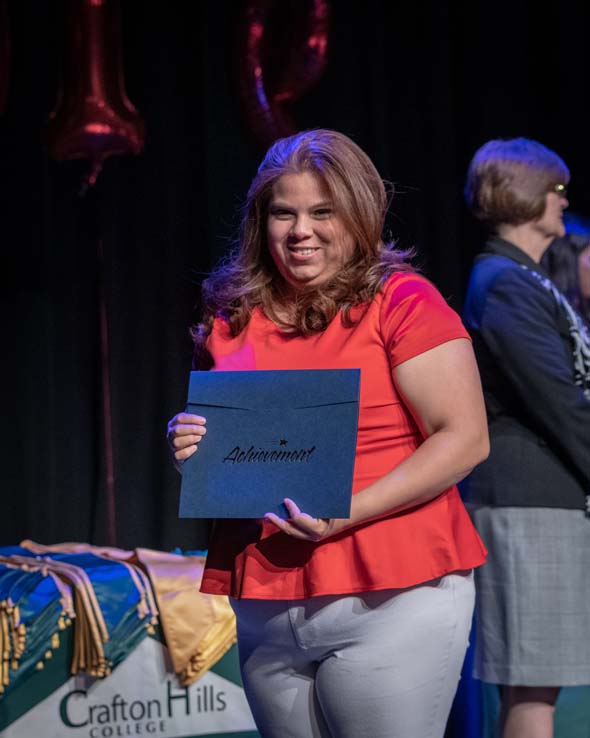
x=263 y=95
x=308 y=53
x=93 y=117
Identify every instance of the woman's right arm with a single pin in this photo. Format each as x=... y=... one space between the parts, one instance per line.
x=185 y=432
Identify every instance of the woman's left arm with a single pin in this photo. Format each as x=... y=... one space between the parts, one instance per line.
x=442 y=389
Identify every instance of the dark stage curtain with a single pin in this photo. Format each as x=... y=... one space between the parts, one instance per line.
x=418 y=85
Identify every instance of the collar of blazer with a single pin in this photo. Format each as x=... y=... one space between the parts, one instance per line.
x=500 y=247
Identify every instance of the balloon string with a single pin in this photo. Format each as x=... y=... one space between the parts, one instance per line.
x=111 y=520
x=92 y=176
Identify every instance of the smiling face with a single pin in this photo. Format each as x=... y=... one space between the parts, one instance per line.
x=306 y=237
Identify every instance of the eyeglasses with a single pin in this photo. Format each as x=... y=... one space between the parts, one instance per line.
x=559 y=189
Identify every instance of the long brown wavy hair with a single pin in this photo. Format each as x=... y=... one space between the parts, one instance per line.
x=248 y=278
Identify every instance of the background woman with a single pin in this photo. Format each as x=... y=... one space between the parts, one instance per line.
x=353 y=627
x=567 y=261
x=529 y=497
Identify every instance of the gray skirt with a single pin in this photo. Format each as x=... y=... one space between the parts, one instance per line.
x=533 y=597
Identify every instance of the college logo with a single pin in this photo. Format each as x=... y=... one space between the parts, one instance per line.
x=140 y=698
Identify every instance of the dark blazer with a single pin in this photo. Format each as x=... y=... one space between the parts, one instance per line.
x=539 y=419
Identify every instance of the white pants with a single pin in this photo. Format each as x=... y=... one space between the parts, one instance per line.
x=372 y=665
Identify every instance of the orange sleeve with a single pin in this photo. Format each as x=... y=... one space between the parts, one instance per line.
x=414 y=318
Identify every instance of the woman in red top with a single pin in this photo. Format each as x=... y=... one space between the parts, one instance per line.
x=357 y=626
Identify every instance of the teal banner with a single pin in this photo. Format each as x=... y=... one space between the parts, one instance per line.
x=141 y=697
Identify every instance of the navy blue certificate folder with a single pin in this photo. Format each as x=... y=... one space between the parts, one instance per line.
x=271 y=435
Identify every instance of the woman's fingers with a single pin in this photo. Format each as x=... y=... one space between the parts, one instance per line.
x=184 y=453
x=185 y=432
x=182 y=425
x=193 y=435
x=187 y=419
x=292 y=508
x=299 y=525
x=289 y=528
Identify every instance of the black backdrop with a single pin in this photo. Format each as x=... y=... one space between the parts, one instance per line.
x=418 y=85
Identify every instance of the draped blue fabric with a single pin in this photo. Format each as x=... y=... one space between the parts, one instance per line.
x=41 y=611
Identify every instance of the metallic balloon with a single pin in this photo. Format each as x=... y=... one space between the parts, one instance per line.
x=93 y=117
x=270 y=76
